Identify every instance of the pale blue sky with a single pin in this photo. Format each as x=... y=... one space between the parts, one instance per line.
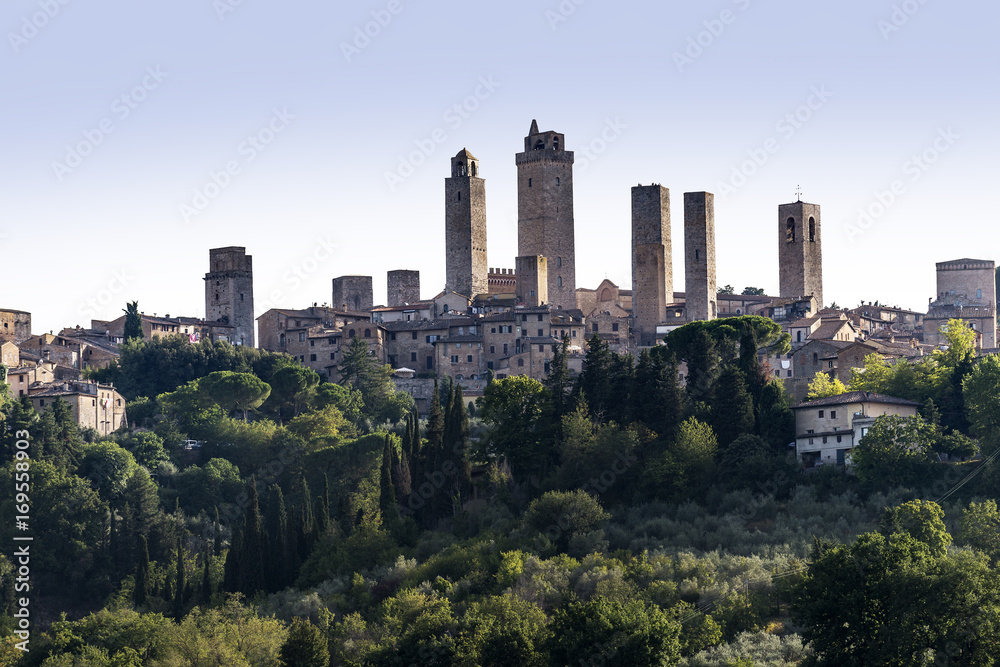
x=182 y=85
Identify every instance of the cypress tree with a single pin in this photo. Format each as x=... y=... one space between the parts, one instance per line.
x=277 y=530
x=180 y=588
x=230 y=576
x=459 y=446
x=205 y=594
x=254 y=549
x=306 y=524
x=141 y=592
x=732 y=411
x=217 y=547
x=387 y=490
x=322 y=513
x=168 y=591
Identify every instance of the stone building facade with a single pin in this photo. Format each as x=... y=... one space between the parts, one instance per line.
x=700 y=295
x=15 y=326
x=800 y=251
x=966 y=290
x=652 y=260
x=353 y=293
x=466 y=270
x=229 y=292
x=402 y=288
x=532 y=280
x=276 y=324
x=545 y=223
x=95 y=406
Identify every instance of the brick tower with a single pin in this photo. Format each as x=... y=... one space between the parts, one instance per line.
x=800 y=251
x=652 y=260
x=545 y=210
x=701 y=294
x=466 y=271
x=353 y=293
x=229 y=292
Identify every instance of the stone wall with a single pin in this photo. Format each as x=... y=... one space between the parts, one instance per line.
x=699 y=256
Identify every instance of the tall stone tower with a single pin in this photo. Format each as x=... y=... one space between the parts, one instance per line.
x=353 y=293
x=402 y=288
x=466 y=271
x=701 y=294
x=229 y=291
x=652 y=260
x=532 y=280
x=545 y=210
x=800 y=251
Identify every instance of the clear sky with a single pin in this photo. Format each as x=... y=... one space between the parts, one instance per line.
x=137 y=135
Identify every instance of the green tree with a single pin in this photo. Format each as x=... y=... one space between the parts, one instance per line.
x=602 y=631
x=235 y=391
x=922 y=520
x=511 y=407
x=502 y=631
x=181 y=581
x=141 y=590
x=874 y=377
x=726 y=289
x=292 y=388
x=733 y=408
x=361 y=371
x=895 y=450
x=305 y=646
x=753 y=291
x=387 y=490
x=979 y=528
x=559 y=515
x=133 y=322
x=822 y=386
x=981 y=390
x=253 y=546
x=108 y=467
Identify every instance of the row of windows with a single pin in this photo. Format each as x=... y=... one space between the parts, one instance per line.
x=839 y=439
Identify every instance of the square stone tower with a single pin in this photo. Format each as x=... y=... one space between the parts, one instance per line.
x=545 y=210
x=701 y=294
x=800 y=251
x=652 y=260
x=966 y=290
x=229 y=292
x=466 y=270
x=402 y=288
x=532 y=280
x=353 y=293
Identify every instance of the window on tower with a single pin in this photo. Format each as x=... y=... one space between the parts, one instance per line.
x=459 y=196
x=812 y=230
x=529 y=182
x=558 y=182
x=555 y=143
x=539 y=145
x=790 y=230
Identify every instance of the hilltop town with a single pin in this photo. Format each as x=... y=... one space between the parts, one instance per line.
x=498 y=322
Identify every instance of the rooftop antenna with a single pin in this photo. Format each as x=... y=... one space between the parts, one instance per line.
x=798 y=192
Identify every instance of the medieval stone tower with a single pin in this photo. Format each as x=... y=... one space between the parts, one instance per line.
x=532 y=280
x=800 y=251
x=652 y=260
x=466 y=270
x=701 y=295
x=545 y=210
x=353 y=293
x=402 y=287
x=229 y=292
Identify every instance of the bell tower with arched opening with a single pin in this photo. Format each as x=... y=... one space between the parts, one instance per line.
x=800 y=251
x=545 y=211
x=466 y=270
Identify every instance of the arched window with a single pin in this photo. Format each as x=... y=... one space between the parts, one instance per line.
x=555 y=143
x=459 y=195
x=368 y=333
x=812 y=230
x=558 y=181
x=790 y=230
x=798 y=337
x=474 y=170
x=539 y=145
x=282 y=340
x=520 y=363
x=351 y=334
x=529 y=182
x=815 y=358
x=559 y=281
